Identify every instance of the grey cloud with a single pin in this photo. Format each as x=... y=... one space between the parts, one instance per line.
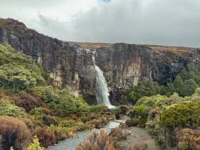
x=172 y=22
x=31 y=3
x=167 y=22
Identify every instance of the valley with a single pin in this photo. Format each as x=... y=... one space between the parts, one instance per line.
x=50 y=90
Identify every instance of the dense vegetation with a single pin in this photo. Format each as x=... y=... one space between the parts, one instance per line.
x=166 y=117
x=30 y=107
x=185 y=83
x=33 y=110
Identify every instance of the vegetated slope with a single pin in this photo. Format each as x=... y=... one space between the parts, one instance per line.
x=173 y=120
x=54 y=114
x=29 y=106
x=18 y=71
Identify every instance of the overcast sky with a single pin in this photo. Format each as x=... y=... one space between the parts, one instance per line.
x=166 y=22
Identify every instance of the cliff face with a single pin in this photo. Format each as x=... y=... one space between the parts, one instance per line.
x=69 y=65
x=124 y=65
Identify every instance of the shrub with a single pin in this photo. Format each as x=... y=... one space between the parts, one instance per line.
x=14 y=133
x=67 y=123
x=27 y=101
x=120 y=111
x=38 y=111
x=63 y=103
x=48 y=120
x=35 y=145
x=9 y=109
x=153 y=126
x=62 y=132
x=96 y=141
x=98 y=108
x=132 y=122
x=138 y=146
x=143 y=89
x=188 y=88
x=120 y=133
x=181 y=115
x=153 y=101
x=141 y=111
x=18 y=71
x=188 y=139
x=46 y=138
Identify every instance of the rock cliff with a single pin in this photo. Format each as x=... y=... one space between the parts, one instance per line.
x=124 y=65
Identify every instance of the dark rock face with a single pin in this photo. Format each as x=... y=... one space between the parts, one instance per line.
x=69 y=65
x=124 y=65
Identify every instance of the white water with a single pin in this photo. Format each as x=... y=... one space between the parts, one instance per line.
x=102 y=93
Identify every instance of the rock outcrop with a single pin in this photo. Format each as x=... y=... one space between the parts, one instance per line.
x=69 y=65
x=124 y=65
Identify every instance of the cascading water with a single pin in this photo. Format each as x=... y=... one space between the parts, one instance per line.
x=102 y=93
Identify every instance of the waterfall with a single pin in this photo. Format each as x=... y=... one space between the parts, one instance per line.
x=102 y=93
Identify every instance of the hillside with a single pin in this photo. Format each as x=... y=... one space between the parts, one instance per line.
x=48 y=86
x=27 y=101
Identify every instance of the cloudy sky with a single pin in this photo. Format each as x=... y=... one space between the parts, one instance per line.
x=166 y=22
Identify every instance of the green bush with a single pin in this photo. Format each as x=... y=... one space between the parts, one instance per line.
x=181 y=115
x=38 y=111
x=143 y=89
x=188 y=88
x=153 y=101
x=68 y=123
x=9 y=109
x=97 y=108
x=140 y=113
x=65 y=104
x=17 y=71
x=35 y=145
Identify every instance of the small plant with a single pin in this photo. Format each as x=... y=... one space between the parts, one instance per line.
x=97 y=141
x=120 y=133
x=9 y=109
x=35 y=145
x=188 y=139
x=132 y=122
x=138 y=146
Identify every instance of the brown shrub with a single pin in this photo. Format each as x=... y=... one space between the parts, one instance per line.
x=46 y=138
x=48 y=120
x=138 y=146
x=97 y=141
x=188 y=139
x=153 y=113
x=124 y=109
x=120 y=133
x=27 y=101
x=132 y=122
x=13 y=132
x=3 y=95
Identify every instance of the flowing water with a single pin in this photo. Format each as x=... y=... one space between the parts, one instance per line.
x=102 y=93
x=102 y=96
